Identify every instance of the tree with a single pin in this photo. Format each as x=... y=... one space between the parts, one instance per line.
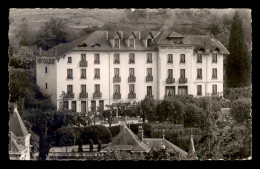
x=238 y=66
x=193 y=115
x=177 y=111
x=241 y=110
x=52 y=33
x=24 y=35
x=163 y=110
x=108 y=115
x=214 y=29
x=147 y=109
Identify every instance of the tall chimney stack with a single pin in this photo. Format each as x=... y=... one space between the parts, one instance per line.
x=106 y=35
x=55 y=51
x=140 y=133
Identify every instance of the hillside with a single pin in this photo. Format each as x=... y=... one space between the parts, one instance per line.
x=185 y=21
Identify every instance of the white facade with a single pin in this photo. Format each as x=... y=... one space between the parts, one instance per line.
x=56 y=76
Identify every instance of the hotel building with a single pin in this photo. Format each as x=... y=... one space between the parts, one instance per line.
x=113 y=66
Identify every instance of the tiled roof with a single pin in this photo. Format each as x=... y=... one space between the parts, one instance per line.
x=160 y=38
x=100 y=38
x=175 y=35
x=156 y=144
x=16 y=124
x=127 y=140
x=63 y=48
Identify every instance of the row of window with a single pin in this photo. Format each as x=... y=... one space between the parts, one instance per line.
x=132 y=74
x=97 y=88
x=116 y=58
x=182 y=90
x=84 y=105
x=169 y=90
x=199 y=73
x=148 y=58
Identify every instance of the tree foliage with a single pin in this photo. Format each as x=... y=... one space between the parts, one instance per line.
x=52 y=33
x=241 y=110
x=238 y=68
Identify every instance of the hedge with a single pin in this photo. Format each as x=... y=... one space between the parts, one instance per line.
x=71 y=135
x=96 y=132
x=176 y=134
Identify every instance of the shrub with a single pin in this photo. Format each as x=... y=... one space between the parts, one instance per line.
x=72 y=135
x=65 y=136
x=241 y=109
x=176 y=134
x=96 y=132
x=114 y=130
x=238 y=93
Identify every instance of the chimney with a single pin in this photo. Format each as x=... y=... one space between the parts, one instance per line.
x=106 y=35
x=40 y=51
x=140 y=133
x=163 y=133
x=55 y=51
x=211 y=36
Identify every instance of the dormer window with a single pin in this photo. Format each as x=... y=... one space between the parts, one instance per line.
x=149 y=42
x=177 y=41
x=116 y=45
x=132 y=43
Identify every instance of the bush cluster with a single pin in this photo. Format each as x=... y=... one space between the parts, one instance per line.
x=238 y=93
x=71 y=135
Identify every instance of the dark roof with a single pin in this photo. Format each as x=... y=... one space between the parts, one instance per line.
x=63 y=48
x=100 y=38
x=156 y=144
x=127 y=140
x=160 y=38
x=16 y=124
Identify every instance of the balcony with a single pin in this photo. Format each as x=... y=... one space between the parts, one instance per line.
x=182 y=80
x=83 y=95
x=69 y=95
x=116 y=79
x=131 y=79
x=170 y=80
x=149 y=78
x=97 y=95
x=132 y=95
x=83 y=63
x=117 y=96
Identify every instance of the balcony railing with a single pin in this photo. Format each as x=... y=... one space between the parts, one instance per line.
x=116 y=79
x=117 y=96
x=83 y=63
x=132 y=95
x=83 y=95
x=170 y=80
x=182 y=80
x=149 y=78
x=97 y=95
x=69 y=95
x=131 y=79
